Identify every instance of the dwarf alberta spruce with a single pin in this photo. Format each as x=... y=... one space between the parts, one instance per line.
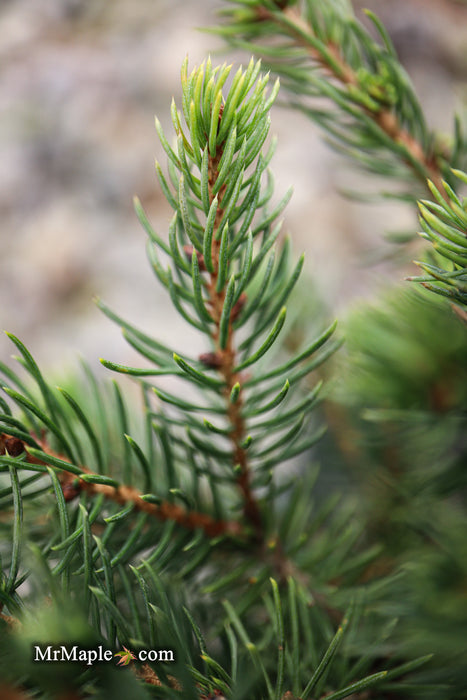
x=169 y=529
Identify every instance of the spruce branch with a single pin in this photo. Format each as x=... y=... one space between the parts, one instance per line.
x=222 y=241
x=373 y=103
x=320 y=50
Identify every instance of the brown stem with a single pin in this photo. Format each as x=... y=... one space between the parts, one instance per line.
x=226 y=362
x=384 y=117
x=124 y=495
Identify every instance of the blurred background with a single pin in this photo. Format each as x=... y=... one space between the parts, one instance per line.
x=81 y=81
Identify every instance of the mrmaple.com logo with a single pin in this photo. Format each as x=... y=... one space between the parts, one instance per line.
x=61 y=653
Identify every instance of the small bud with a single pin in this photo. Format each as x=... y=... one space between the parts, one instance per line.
x=71 y=490
x=188 y=250
x=262 y=14
x=14 y=446
x=238 y=307
x=213 y=360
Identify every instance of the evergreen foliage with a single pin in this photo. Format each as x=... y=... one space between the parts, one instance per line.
x=373 y=115
x=181 y=523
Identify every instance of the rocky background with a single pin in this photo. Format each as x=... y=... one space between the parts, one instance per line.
x=81 y=81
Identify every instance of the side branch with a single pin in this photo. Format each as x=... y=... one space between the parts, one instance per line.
x=296 y=26
x=124 y=495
